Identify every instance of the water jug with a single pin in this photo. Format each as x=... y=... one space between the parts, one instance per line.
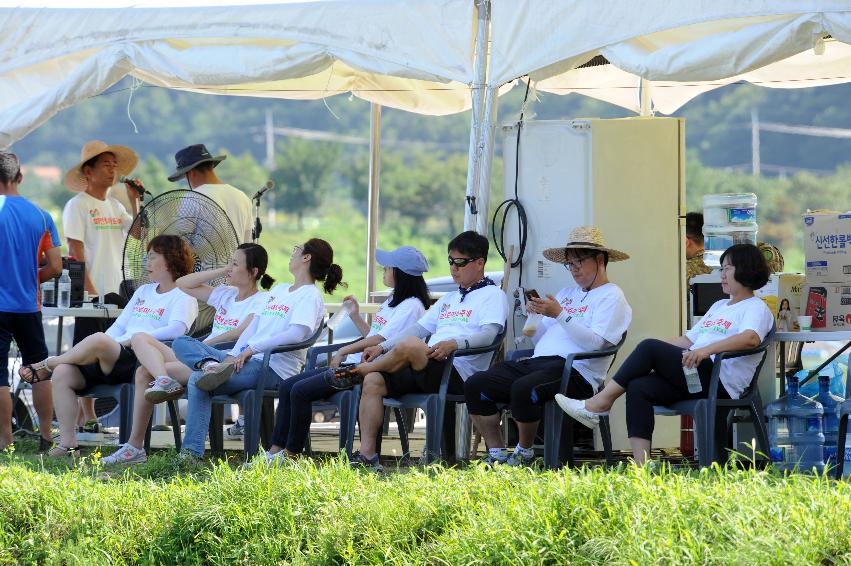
x=830 y=422
x=64 y=299
x=727 y=219
x=795 y=437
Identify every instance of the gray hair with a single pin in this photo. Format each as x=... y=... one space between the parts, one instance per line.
x=10 y=167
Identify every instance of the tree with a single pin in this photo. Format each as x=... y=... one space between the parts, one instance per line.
x=304 y=171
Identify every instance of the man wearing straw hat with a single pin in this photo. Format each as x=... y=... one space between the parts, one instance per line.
x=96 y=226
x=590 y=315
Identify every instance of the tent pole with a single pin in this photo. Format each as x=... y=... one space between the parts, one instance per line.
x=372 y=214
x=646 y=100
x=486 y=164
x=483 y=9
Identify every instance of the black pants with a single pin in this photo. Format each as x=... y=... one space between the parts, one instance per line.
x=28 y=333
x=653 y=375
x=525 y=385
x=295 y=408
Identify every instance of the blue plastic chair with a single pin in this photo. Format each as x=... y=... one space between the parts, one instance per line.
x=554 y=424
x=705 y=412
x=252 y=402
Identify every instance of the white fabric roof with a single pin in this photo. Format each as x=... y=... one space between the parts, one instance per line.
x=415 y=55
x=683 y=48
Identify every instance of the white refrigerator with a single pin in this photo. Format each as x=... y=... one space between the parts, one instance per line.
x=626 y=176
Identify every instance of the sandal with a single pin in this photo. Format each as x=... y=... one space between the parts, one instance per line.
x=62 y=452
x=210 y=380
x=34 y=377
x=342 y=378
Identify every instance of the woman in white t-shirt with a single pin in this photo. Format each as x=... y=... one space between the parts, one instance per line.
x=292 y=314
x=159 y=309
x=654 y=373
x=403 y=272
x=161 y=375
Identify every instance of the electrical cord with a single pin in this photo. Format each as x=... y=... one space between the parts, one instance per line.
x=506 y=206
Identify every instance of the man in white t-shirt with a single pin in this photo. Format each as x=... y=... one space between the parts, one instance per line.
x=198 y=167
x=590 y=315
x=470 y=317
x=96 y=227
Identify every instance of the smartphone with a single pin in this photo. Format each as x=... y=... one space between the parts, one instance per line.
x=532 y=294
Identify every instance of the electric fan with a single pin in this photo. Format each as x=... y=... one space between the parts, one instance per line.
x=194 y=217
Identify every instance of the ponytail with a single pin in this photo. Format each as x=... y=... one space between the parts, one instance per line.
x=322 y=266
x=266 y=282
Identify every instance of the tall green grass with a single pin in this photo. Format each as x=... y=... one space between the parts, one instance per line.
x=327 y=513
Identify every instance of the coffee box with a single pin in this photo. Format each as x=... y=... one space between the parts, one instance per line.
x=827 y=247
x=783 y=290
x=829 y=304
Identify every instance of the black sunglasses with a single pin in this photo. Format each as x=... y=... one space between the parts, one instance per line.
x=461 y=261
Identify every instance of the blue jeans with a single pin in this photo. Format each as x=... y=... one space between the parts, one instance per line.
x=190 y=352
x=295 y=408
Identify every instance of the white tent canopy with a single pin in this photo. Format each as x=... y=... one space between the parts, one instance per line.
x=681 y=49
x=415 y=55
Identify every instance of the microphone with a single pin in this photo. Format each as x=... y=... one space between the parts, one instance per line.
x=270 y=184
x=134 y=184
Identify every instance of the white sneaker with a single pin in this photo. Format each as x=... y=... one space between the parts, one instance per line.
x=163 y=389
x=127 y=454
x=236 y=430
x=576 y=409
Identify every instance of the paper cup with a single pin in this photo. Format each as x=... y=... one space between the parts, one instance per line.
x=806 y=323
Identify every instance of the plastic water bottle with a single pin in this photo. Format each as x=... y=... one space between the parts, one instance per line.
x=64 y=301
x=795 y=434
x=346 y=309
x=48 y=293
x=532 y=321
x=831 y=404
x=728 y=219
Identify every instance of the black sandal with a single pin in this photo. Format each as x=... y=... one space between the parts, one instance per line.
x=34 y=369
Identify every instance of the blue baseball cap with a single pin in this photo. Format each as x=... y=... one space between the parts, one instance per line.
x=407 y=258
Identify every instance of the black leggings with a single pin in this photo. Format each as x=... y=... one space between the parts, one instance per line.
x=295 y=408
x=525 y=385
x=653 y=375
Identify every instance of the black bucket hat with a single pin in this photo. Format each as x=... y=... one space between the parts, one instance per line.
x=191 y=157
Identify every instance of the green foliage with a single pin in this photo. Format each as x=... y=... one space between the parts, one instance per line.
x=303 y=175
x=327 y=513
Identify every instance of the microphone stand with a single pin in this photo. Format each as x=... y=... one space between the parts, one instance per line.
x=258 y=227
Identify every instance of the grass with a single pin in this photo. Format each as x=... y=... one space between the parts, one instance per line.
x=323 y=512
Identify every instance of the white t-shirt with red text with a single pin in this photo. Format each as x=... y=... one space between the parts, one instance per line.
x=389 y=321
x=603 y=310
x=102 y=226
x=149 y=310
x=723 y=320
x=450 y=318
x=230 y=313
x=303 y=306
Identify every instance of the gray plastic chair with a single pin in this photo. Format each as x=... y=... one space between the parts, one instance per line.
x=844 y=411
x=705 y=412
x=554 y=424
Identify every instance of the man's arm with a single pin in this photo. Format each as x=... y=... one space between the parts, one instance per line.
x=78 y=250
x=53 y=268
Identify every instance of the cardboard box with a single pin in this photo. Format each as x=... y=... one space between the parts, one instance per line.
x=783 y=287
x=829 y=304
x=827 y=247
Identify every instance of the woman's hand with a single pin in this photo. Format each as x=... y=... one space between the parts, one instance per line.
x=442 y=350
x=547 y=307
x=242 y=358
x=336 y=360
x=355 y=305
x=692 y=358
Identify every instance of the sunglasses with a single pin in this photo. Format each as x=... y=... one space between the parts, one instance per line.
x=461 y=261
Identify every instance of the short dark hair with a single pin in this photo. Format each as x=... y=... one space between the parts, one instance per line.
x=751 y=269
x=205 y=166
x=694 y=227
x=470 y=243
x=10 y=167
x=179 y=259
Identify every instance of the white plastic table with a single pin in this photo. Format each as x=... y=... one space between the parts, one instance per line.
x=810 y=336
x=86 y=311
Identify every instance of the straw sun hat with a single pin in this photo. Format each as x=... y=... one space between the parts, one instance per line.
x=584 y=238
x=126 y=157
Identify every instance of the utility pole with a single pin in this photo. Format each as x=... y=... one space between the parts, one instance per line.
x=755 y=165
x=270 y=141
